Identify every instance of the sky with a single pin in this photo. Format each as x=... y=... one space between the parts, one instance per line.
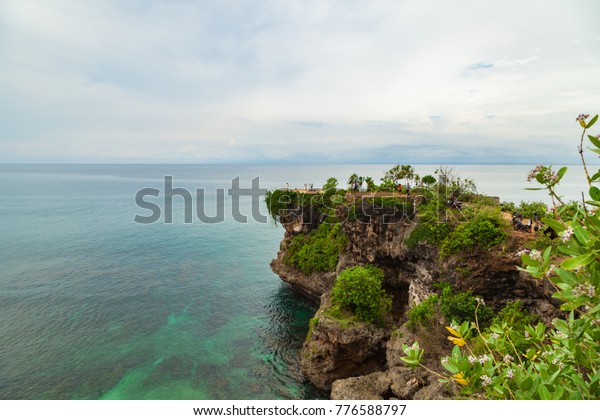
x=187 y=81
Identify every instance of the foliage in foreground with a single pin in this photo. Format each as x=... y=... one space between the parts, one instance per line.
x=359 y=290
x=456 y=307
x=557 y=362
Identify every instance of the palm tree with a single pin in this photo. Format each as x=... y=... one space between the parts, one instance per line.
x=353 y=181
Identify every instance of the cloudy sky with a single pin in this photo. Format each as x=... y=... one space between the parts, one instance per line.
x=305 y=81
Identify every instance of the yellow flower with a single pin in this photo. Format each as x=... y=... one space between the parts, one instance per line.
x=453 y=332
x=460 y=379
x=458 y=341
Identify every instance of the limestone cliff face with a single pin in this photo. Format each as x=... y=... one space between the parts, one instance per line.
x=336 y=349
x=335 y=354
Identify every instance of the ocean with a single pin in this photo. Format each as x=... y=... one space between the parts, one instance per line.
x=96 y=306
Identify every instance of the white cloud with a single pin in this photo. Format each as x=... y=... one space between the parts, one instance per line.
x=294 y=80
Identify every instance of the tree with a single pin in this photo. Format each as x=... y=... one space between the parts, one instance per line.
x=407 y=172
x=371 y=186
x=428 y=180
x=331 y=184
x=355 y=181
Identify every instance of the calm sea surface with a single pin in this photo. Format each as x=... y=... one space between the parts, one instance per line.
x=93 y=305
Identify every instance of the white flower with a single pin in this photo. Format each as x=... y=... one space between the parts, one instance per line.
x=472 y=359
x=454 y=326
x=567 y=234
x=508 y=358
x=445 y=360
x=522 y=252
x=526 y=334
x=484 y=358
x=494 y=336
x=510 y=373
x=485 y=380
x=535 y=255
x=479 y=300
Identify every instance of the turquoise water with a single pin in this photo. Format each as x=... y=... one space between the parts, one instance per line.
x=93 y=305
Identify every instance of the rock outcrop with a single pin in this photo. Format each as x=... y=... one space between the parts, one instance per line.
x=339 y=348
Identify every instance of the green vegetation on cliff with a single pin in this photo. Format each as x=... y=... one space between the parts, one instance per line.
x=318 y=250
x=359 y=290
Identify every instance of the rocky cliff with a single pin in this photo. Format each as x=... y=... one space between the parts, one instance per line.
x=359 y=361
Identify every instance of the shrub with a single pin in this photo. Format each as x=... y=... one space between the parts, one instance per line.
x=463 y=306
x=431 y=233
x=278 y=200
x=508 y=206
x=514 y=315
x=424 y=312
x=318 y=251
x=359 y=289
x=483 y=230
x=529 y=209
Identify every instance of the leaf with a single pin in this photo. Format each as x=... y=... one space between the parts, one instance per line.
x=526 y=384
x=581 y=233
x=592 y=121
x=409 y=361
x=544 y=393
x=496 y=329
x=595 y=193
x=567 y=276
x=561 y=173
x=595 y=141
x=534 y=189
x=596 y=176
x=580 y=261
x=554 y=224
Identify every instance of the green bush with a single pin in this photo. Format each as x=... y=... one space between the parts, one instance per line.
x=431 y=233
x=483 y=230
x=318 y=251
x=279 y=200
x=528 y=209
x=514 y=316
x=460 y=307
x=508 y=206
x=359 y=289
x=424 y=312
